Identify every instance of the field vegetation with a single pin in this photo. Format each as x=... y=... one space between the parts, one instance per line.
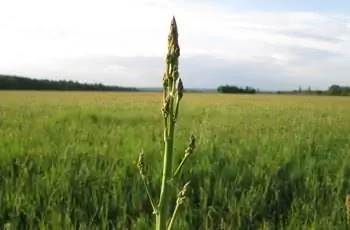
x=68 y=160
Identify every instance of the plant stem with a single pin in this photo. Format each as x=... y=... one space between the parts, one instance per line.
x=181 y=196
x=172 y=94
x=167 y=168
x=169 y=128
x=189 y=150
x=169 y=90
x=180 y=165
x=149 y=195
x=142 y=170
x=173 y=216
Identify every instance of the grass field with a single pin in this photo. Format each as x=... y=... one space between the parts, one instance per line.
x=68 y=160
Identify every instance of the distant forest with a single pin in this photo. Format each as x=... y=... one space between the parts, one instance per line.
x=236 y=89
x=333 y=90
x=24 y=83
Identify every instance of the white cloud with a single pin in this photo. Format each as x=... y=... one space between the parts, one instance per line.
x=45 y=38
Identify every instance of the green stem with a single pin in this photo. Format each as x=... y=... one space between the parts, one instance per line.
x=180 y=165
x=163 y=205
x=177 y=108
x=149 y=194
x=165 y=134
x=173 y=216
x=169 y=87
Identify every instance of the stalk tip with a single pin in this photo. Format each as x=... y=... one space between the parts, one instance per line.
x=141 y=163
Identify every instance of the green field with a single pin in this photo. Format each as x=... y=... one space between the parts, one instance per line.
x=68 y=160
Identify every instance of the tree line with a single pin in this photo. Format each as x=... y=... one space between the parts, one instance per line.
x=236 y=89
x=339 y=90
x=24 y=83
x=333 y=90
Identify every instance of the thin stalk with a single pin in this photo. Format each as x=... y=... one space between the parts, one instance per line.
x=178 y=169
x=169 y=89
x=180 y=89
x=177 y=107
x=188 y=152
x=149 y=195
x=169 y=127
x=142 y=170
x=163 y=206
x=172 y=94
x=180 y=199
x=176 y=209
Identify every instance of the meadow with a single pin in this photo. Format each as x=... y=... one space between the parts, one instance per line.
x=68 y=160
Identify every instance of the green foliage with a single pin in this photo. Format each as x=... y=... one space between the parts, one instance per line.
x=67 y=160
x=236 y=89
x=23 y=83
x=333 y=90
x=337 y=90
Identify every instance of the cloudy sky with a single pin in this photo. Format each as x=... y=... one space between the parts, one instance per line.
x=268 y=44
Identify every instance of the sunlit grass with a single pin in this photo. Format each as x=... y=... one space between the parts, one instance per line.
x=68 y=159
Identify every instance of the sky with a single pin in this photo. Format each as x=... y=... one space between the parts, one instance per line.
x=270 y=44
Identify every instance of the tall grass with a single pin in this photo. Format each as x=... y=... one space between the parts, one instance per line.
x=67 y=161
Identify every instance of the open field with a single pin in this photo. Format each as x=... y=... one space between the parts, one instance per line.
x=67 y=160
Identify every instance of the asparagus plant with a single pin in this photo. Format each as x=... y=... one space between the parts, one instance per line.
x=172 y=94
